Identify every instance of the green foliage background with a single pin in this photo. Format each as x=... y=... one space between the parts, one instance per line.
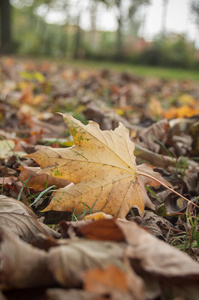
x=33 y=36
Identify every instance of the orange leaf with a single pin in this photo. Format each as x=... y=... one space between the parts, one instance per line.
x=104 y=230
x=183 y=111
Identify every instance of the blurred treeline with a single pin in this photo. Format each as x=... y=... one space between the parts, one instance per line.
x=27 y=29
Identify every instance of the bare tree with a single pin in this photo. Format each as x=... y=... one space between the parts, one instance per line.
x=5 y=27
x=195 y=13
x=164 y=16
x=93 y=5
x=126 y=14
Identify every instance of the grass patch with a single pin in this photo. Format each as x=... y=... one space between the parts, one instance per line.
x=139 y=70
x=145 y=71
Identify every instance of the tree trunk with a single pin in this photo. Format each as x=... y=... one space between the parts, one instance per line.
x=164 y=16
x=119 y=42
x=119 y=38
x=78 y=36
x=93 y=31
x=5 y=27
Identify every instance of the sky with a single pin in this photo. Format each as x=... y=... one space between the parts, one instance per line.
x=178 y=18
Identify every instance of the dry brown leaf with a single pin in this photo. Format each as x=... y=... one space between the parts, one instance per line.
x=74 y=294
x=166 y=271
x=144 y=155
x=39 y=181
x=114 y=282
x=102 y=166
x=10 y=181
x=2 y=296
x=67 y=261
x=20 y=219
x=156 y=225
x=157 y=131
x=102 y=230
x=23 y=265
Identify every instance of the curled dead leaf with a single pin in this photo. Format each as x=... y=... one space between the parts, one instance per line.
x=21 y=220
x=24 y=266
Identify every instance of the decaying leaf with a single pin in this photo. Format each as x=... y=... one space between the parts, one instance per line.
x=150 y=135
x=156 y=225
x=103 y=169
x=21 y=220
x=68 y=261
x=24 y=266
x=161 y=258
x=115 y=282
x=166 y=271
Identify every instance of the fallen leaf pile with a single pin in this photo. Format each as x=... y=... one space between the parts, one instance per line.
x=136 y=266
x=100 y=217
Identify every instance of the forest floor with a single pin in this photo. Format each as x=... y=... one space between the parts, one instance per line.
x=64 y=254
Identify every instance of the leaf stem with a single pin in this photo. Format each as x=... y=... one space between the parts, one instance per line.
x=166 y=186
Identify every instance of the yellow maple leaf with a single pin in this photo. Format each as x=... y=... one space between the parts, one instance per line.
x=102 y=168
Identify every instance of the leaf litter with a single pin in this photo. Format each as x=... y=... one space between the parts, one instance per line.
x=93 y=253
